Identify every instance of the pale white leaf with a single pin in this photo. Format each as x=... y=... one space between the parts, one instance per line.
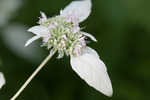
x=90 y=36
x=31 y=40
x=2 y=80
x=91 y=69
x=43 y=15
x=39 y=30
x=81 y=9
x=92 y=52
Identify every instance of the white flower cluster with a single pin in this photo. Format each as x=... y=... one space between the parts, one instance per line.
x=63 y=34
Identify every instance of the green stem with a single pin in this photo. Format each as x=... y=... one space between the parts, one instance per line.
x=32 y=76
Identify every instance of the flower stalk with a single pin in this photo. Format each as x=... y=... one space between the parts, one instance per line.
x=32 y=76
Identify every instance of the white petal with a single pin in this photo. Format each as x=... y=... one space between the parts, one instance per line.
x=91 y=69
x=2 y=80
x=81 y=9
x=31 y=40
x=90 y=36
x=39 y=30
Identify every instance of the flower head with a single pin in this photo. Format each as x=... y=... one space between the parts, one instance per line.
x=62 y=33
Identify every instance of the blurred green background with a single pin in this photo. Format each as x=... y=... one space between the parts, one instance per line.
x=122 y=28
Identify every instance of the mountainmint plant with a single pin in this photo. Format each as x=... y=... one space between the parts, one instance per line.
x=63 y=34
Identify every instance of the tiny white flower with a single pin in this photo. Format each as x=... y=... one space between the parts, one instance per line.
x=2 y=80
x=62 y=33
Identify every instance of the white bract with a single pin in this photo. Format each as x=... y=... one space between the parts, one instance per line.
x=62 y=33
x=2 y=80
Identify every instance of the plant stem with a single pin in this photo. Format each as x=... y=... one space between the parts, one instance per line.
x=32 y=76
